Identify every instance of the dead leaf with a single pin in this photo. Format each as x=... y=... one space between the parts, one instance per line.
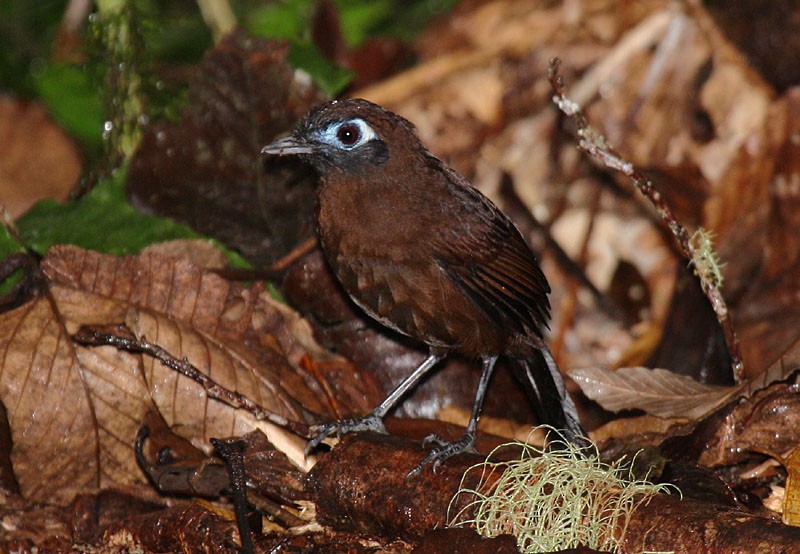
x=669 y=395
x=80 y=408
x=791 y=496
x=56 y=439
x=198 y=251
x=637 y=426
x=656 y=391
x=784 y=225
x=206 y=170
x=766 y=421
x=32 y=146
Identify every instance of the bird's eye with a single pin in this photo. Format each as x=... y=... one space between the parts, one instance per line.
x=349 y=134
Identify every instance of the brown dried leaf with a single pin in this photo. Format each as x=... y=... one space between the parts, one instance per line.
x=182 y=402
x=687 y=104
x=32 y=146
x=79 y=408
x=56 y=441
x=206 y=170
x=656 y=391
x=198 y=251
x=666 y=394
x=791 y=496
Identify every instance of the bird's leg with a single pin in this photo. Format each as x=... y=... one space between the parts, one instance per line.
x=466 y=443
x=573 y=431
x=374 y=420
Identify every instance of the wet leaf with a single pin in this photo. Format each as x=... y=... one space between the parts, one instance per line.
x=206 y=170
x=79 y=408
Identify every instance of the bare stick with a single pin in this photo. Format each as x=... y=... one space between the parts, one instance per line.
x=696 y=248
x=122 y=340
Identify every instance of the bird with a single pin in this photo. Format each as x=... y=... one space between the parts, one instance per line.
x=423 y=252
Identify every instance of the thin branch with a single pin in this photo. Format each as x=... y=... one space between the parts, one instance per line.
x=696 y=249
x=122 y=340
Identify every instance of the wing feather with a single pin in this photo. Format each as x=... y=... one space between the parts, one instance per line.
x=488 y=259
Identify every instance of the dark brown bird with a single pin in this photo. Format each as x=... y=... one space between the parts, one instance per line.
x=424 y=253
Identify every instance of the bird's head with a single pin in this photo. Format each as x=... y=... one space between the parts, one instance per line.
x=350 y=135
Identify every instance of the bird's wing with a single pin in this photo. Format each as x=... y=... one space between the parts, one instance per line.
x=490 y=261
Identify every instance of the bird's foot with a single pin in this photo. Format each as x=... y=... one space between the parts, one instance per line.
x=444 y=449
x=367 y=423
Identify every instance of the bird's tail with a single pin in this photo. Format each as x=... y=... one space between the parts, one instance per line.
x=542 y=380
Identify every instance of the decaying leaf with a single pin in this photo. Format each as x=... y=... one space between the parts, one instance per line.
x=656 y=391
x=32 y=145
x=56 y=440
x=791 y=496
x=665 y=394
x=79 y=408
x=207 y=171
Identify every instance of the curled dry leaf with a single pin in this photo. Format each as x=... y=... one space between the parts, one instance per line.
x=79 y=409
x=766 y=422
x=656 y=391
x=666 y=394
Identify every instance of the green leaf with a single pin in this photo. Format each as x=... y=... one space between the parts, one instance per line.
x=360 y=18
x=291 y=21
x=9 y=245
x=74 y=101
x=103 y=220
x=328 y=76
x=286 y=20
x=403 y=20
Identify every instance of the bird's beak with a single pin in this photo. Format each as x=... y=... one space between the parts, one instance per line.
x=287 y=145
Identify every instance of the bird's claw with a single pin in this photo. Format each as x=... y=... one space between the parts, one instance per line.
x=342 y=427
x=444 y=450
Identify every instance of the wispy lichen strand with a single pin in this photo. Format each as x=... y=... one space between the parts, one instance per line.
x=553 y=500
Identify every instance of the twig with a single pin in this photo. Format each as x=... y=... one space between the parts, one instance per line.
x=232 y=451
x=296 y=253
x=90 y=336
x=696 y=249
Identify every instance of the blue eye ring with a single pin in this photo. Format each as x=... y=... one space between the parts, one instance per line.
x=349 y=134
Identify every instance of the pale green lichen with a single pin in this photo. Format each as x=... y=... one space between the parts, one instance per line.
x=553 y=500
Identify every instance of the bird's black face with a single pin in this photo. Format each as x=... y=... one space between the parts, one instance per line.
x=335 y=135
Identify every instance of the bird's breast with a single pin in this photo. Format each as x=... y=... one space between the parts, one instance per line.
x=382 y=249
